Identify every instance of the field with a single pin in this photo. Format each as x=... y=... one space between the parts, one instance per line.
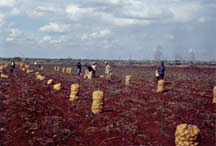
x=33 y=114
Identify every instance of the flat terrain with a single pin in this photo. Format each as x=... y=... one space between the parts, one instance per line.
x=33 y=114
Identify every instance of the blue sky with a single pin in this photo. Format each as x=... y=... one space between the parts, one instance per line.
x=108 y=29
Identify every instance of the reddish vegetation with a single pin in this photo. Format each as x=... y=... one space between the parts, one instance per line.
x=32 y=114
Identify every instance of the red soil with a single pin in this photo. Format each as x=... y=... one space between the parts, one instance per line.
x=32 y=114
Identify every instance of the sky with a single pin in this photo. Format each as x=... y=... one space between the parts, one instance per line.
x=109 y=29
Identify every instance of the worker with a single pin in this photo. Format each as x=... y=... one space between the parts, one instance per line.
x=79 y=68
x=108 y=71
x=94 y=67
x=161 y=70
x=12 y=66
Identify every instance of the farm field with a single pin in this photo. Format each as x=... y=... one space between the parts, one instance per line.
x=33 y=114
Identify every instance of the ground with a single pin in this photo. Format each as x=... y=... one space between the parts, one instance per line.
x=33 y=114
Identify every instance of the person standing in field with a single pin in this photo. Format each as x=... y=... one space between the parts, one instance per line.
x=12 y=66
x=79 y=68
x=94 y=66
x=161 y=70
x=108 y=71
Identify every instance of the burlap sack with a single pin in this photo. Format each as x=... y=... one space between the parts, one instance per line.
x=37 y=73
x=2 y=75
x=214 y=94
x=41 y=68
x=160 y=86
x=97 y=104
x=186 y=135
x=1 y=68
x=28 y=71
x=127 y=80
x=63 y=70
x=87 y=75
x=40 y=77
x=90 y=75
x=57 y=87
x=50 y=81
x=69 y=70
x=74 y=95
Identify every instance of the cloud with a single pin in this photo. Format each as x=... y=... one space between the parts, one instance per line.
x=15 y=12
x=101 y=33
x=55 y=27
x=169 y=36
x=7 y=3
x=45 y=11
x=13 y=35
x=154 y=11
x=96 y=35
x=2 y=19
x=121 y=21
x=108 y=25
x=114 y=2
x=51 y=40
x=202 y=19
x=135 y=12
x=76 y=12
x=184 y=12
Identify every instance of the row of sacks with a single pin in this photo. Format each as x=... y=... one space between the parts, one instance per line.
x=56 y=86
x=97 y=96
x=64 y=69
x=160 y=85
x=185 y=134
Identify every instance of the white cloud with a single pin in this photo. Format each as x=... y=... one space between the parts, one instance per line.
x=37 y=10
x=14 y=34
x=15 y=12
x=115 y=2
x=142 y=9
x=51 y=40
x=184 y=12
x=120 y=21
x=7 y=3
x=98 y=34
x=55 y=27
x=75 y=11
x=46 y=8
x=101 y=33
x=169 y=36
x=137 y=12
x=45 y=11
x=2 y=19
x=202 y=19
x=84 y=36
x=147 y=11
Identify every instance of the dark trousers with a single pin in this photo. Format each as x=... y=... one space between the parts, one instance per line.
x=93 y=74
x=12 y=69
x=78 y=71
x=161 y=76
